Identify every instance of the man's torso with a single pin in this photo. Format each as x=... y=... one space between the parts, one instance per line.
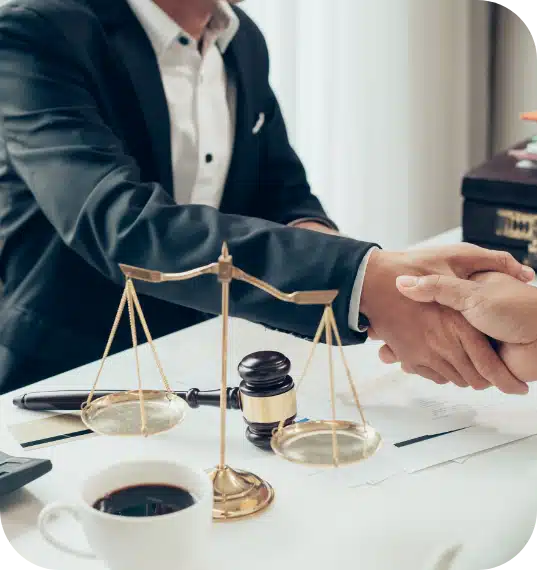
x=52 y=296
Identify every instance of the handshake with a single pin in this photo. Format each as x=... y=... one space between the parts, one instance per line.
x=459 y=314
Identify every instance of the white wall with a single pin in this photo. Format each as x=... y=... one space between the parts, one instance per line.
x=377 y=95
x=516 y=84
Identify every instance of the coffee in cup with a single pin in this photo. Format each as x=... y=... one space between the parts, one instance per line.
x=137 y=512
x=147 y=500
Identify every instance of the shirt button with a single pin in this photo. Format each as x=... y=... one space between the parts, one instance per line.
x=208 y=158
x=184 y=41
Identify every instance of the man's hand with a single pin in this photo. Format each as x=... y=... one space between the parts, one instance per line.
x=495 y=304
x=431 y=340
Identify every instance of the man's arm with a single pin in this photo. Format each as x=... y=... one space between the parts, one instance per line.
x=90 y=190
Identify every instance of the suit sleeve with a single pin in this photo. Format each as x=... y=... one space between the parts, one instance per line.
x=90 y=190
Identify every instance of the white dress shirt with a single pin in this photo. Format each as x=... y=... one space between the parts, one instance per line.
x=201 y=100
x=201 y=103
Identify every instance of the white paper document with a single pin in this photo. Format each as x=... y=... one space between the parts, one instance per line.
x=429 y=424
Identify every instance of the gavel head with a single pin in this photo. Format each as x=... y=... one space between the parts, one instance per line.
x=267 y=394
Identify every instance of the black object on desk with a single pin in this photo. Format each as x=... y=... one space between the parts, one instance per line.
x=500 y=207
x=71 y=400
x=267 y=394
x=16 y=472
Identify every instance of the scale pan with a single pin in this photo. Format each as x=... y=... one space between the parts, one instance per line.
x=120 y=414
x=310 y=443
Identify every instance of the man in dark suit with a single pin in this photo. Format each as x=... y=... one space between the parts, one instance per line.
x=145 y=132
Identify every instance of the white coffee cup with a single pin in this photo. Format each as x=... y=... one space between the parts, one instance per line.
x=171 y=541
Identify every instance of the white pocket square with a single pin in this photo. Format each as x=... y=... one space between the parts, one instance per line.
x=259 y=125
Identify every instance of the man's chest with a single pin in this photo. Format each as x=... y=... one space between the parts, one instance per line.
x=201 y=102
x=148 y=110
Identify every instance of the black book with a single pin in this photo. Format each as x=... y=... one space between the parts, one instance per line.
x=500 y=207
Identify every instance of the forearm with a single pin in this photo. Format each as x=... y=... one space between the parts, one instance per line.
x=117 y=219
x=171 y=238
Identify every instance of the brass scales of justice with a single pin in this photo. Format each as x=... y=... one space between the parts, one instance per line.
x=237 y=494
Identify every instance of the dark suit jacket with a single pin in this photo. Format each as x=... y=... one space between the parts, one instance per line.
x=86 y=184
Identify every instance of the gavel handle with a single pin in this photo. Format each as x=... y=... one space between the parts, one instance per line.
x=196 y=398
x=72 y=400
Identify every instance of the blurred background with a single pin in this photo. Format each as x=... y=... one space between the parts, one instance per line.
x=390 y=102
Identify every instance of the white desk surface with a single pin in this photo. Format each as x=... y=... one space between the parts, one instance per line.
x=488 y=503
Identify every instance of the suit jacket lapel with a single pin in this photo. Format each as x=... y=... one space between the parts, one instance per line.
x=134 y=51
x=236 y=184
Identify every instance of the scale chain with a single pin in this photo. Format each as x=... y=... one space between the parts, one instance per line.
x=130 y=303
x=149 y=338
x=328 y=327
x=119 y=314
x=352 y=384
x=315 y=342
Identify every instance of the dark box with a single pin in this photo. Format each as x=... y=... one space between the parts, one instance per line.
x=500 y=207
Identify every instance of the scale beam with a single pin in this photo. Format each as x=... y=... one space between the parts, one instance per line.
x=152 y=276
x=298 y=297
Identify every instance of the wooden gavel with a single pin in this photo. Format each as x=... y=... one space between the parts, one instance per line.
x=266 y=396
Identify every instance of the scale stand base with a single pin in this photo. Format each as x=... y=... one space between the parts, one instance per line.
x=238 y=494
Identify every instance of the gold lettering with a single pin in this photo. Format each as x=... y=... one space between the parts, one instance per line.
x=516 y=225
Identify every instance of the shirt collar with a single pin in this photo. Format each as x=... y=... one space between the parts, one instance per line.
x=225 y=23
x=163 y=31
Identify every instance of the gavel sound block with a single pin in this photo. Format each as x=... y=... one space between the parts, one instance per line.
x=266 y=396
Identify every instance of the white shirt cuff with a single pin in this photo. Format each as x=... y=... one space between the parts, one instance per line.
x=354 y=308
